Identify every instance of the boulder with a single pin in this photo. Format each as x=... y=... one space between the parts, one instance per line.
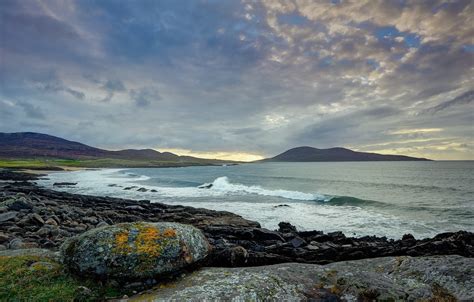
x=17 y=203
x=135 y=250
x=8 y=216
x=434 y=278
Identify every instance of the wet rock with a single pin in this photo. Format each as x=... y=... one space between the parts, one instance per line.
x=135 y=250
x=286 y=227
x=384 y=279
x=134 y=207
x=64 y=184
x=142 y=190
x=129 y=188
x=264 y=234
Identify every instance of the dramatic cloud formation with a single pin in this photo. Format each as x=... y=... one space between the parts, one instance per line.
x=243 y=77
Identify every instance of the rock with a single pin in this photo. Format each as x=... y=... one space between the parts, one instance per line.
x=205 y=186
x=129 y=188
x=286 y=227
x=135 y=207
x=135 y=250
x=434 y=278
x=83 y=293
x=142 y=190
x=17 y=204
x=101 y=224
x=297 y=242
x=16 y=243
x=153 y=190
x=408 y=237
x=65 y=184
x=264 y=234
x=37 y=219
x=231 y=257
x=92 y=220
x=51 y=221
x=3 y=237
x=8 y=216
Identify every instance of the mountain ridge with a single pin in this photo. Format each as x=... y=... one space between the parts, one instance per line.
x=311 y=154
x=33 y=144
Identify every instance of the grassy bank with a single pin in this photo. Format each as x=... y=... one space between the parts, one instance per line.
x=49 y=163
x=34 y=278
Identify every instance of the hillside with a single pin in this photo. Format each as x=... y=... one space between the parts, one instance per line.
x=310 y=154
x=42 y=149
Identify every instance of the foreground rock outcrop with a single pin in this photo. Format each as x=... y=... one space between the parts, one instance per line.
x=137 y=250
x=436 y=278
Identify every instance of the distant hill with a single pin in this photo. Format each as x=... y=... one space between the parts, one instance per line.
x=310 y=154
x=32 y=145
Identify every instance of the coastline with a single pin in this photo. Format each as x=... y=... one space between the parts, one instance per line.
x=264 y=246
x=33 y=217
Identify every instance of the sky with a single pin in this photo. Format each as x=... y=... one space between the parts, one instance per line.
x=242 y=79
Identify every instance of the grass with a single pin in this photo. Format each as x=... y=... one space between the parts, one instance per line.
x=45 y=163
x=46 y=280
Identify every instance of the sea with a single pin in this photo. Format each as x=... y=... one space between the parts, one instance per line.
x=358 y=198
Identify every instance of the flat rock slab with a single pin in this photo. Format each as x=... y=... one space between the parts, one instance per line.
x=445 y=278
x=30 y=252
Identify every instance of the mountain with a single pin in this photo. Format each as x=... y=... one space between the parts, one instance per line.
x=310 y=154
x=30 y=144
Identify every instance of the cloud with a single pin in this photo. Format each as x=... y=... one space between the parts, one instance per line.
x=252 y=77
x=462 y=99
x=31 y=111
x=112 y=87
x=143 y=97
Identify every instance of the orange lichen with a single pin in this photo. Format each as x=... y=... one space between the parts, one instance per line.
x=147 y=242
x=169 y=233
x=121 y=243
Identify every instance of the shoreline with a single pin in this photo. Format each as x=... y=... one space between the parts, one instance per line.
x=263 y=246
x=35 y=222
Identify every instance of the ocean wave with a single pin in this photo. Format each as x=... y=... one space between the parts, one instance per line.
x=223 y=185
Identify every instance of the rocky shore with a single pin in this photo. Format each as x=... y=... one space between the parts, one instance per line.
x=34 y=217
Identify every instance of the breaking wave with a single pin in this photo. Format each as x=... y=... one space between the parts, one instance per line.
x=223 y=185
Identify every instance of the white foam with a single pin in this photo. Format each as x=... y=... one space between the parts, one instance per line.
x=223 y=185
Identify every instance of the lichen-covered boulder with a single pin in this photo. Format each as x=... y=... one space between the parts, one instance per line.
x=136 y=250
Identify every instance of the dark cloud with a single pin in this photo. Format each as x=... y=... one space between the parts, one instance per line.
x=112 y=87
x=254 y=76
x=463 y=99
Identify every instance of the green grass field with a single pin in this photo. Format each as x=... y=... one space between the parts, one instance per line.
x=49 y=163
